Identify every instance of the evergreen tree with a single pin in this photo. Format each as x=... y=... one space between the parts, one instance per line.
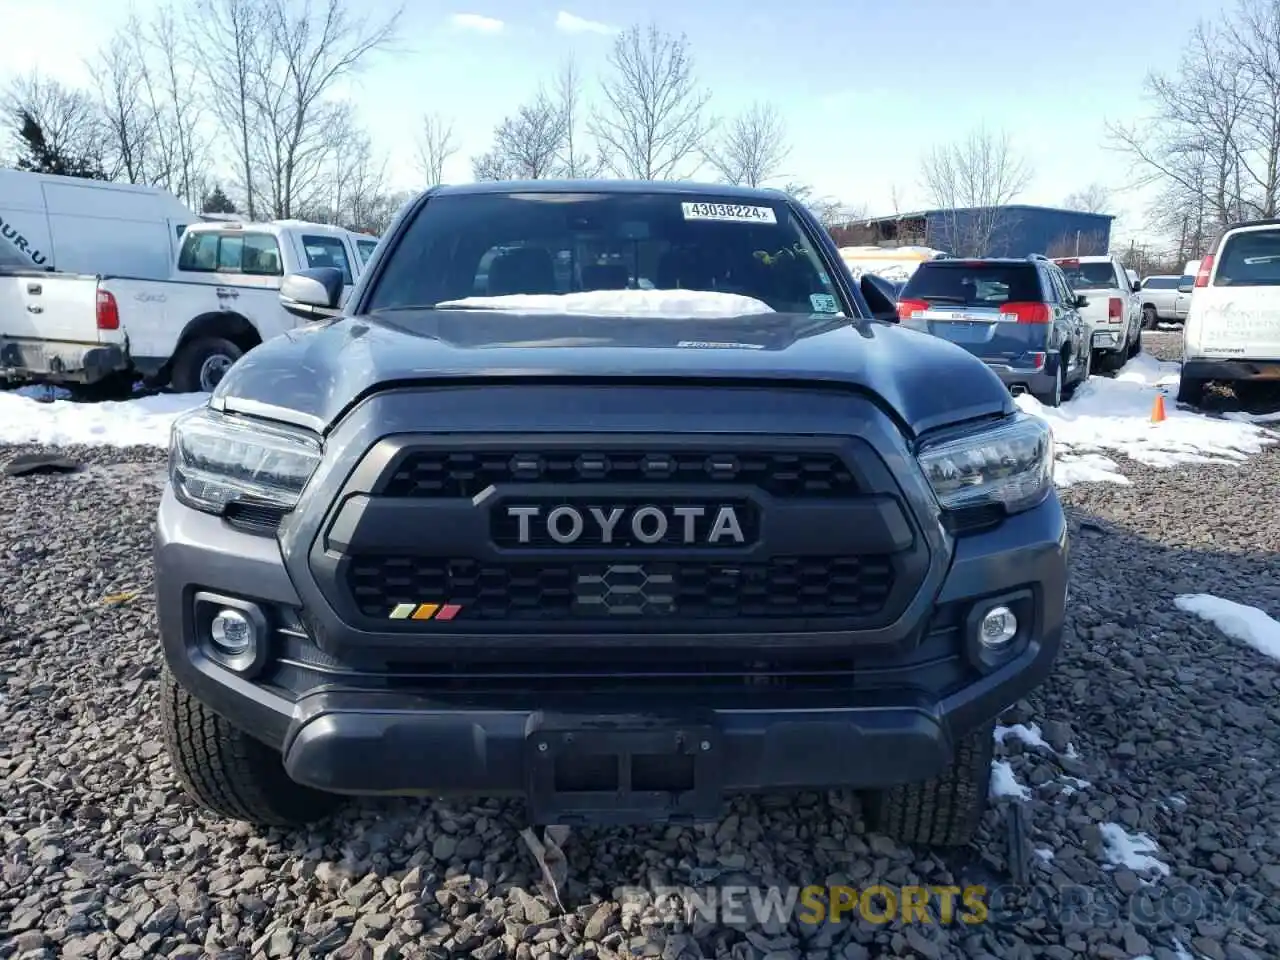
x=216 y=201
x=40 y=157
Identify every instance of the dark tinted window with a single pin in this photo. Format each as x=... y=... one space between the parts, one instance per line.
x=1250 y=259
x=553 y=243
x=974 y=283
x=1160 y=283
x=1091 y=276
x=327 y=252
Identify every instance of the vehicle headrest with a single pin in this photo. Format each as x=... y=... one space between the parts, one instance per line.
x=526 y=270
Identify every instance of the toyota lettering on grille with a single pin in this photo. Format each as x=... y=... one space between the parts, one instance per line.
x=645 y=525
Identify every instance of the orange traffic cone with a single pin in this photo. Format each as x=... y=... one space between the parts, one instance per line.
x=1157 y=409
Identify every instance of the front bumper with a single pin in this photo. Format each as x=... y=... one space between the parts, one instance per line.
x=1231 y=369
x=50 y=361
x=894 y=717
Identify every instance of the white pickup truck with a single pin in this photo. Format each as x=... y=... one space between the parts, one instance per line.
x=221 y=300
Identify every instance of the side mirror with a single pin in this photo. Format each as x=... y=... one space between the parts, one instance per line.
x=1081 y=301
x=312 y=294
x=1137 y=285
x=881 y=296
x=1185 y=287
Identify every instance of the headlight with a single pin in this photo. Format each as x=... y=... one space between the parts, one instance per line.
x=1009 y=464
x=216 y=460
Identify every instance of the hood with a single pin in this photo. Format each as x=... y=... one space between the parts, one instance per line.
x=310 y=376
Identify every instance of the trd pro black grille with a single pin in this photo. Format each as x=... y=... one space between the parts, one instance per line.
x=783 y=587
x=430 y=473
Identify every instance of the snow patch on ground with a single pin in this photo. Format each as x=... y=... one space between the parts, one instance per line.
x=1109 y=415
x=1132 y=850
x=1004 y=783
x=613 y=303
x=1030 y=735
x=1246 y=624
x=143 y=421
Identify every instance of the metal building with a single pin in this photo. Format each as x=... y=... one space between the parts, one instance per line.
x=1014 y=230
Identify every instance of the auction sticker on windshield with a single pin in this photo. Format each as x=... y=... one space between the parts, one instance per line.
x=730 y=212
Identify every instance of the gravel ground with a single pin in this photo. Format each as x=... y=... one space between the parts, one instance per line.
x=1154 y=724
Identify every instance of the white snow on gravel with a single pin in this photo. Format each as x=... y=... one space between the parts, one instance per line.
x=1246 y=624
x=1004 y=783
x=612 y=303
x=143 y=421
x=1028 y=734
x=1132 y=850
x=1114 y=415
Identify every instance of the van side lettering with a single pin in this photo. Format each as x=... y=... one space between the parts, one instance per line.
x=10 y=233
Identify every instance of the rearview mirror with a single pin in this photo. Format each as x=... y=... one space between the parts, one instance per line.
x=1081 y=301
x=312 y=294
x=881 y=296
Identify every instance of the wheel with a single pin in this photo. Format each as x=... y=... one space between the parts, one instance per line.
x=1109 y=361
x=1191 y=392
x=1086 y=369
x=1150 y=319
x=1054 y=397
x=228 y=772
x=1135 y=348
x=201 y=364
x=946 y=810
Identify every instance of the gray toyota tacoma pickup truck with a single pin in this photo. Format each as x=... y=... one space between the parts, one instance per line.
x=616 y=497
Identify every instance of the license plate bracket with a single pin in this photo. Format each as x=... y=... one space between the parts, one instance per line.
x=623 y=771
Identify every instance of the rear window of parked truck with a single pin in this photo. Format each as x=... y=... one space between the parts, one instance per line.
x=1250 y=259
x=973 y=284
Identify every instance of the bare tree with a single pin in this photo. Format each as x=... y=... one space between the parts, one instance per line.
x=573 y=160
x=436 y=145
x=654 y=117
x=1095 y=198
x=119 y=74
x=355 y=194
x=527 y=145
x=235 y=37
x=972 y=180
x=752 y=148
x=1206 y=140
x=69 y=119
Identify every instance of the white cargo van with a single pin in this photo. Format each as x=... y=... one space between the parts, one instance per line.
x=1232 y=331
x=72 y=225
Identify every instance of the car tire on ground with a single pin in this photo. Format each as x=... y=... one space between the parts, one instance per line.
x=201 y=364
x=944 y=811
x=1087 y=364
x=1150 y=319
x=1053 y=397
x=1135 y=348
x=1109 y=361
x=228 y=772
x=1191 y=392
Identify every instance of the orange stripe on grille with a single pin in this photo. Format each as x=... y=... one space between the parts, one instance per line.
x=426 y=611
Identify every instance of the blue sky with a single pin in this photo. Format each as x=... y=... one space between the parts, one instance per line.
x=866 y=88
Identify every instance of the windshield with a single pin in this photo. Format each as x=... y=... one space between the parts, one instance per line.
x=509 y=245
x=977 y=284
x=1089 y=276
x=1250 y=259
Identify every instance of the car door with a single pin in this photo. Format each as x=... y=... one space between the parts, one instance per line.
x=1133 y=303
x=1182 y=297
x=1075 y=331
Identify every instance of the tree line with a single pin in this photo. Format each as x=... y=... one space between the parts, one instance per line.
x=238 y=106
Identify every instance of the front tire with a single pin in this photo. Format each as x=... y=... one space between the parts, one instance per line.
x=228 y=772
x=1191 y=392
x=945 y=811
x=201 y=364
x=1150 y=319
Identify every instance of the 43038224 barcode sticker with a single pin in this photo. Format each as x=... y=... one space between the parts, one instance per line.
x=729 y=212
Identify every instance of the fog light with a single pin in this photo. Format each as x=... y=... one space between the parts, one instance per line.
x=998 y=627
x=232 y=633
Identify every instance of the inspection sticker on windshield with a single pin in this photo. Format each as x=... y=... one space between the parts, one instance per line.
x=729 y=212
x=824 y=303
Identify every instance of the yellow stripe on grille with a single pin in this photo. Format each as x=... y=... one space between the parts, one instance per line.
x=426 y=611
